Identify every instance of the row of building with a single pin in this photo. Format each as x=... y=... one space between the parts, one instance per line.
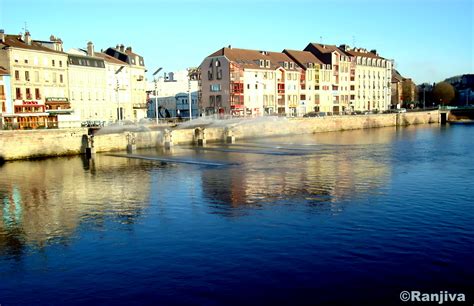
x=41 y=85
x=321 y=78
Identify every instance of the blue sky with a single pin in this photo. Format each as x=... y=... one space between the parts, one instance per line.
x=429 y=40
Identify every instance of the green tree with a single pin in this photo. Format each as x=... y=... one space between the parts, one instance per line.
x=443 y=93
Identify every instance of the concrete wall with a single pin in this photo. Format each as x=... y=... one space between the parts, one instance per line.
x=41 y=143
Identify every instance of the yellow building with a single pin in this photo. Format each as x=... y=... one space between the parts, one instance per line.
x=39 y=81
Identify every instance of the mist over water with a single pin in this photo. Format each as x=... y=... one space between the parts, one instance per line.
x=346 y=218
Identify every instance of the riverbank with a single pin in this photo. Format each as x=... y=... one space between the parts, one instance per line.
x=16 y=145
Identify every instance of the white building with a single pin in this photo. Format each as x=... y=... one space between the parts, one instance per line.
x=171 y=91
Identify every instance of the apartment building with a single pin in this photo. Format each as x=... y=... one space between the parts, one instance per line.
x=372 y=80
x=342 y=75
x=87 y=86
x=38 y=80
x=128 y=82
x=314 y=82
x=5 y=91
x=242 y=82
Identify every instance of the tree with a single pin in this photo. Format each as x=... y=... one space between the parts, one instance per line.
x=444 y=93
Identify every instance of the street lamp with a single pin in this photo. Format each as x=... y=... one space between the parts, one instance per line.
x=155 y=79
x=192 y=75
x=117 y=93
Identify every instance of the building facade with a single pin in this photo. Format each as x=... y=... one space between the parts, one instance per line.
x=372 y=82
x=171 y=92
x=39 y=81
x=241 y=82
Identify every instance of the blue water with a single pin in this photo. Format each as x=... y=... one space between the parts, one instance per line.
x=353 y=218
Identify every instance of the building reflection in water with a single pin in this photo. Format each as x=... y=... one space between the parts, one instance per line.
x=46 y=201
x=336 y=171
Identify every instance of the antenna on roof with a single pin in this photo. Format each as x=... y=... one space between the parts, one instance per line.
x=25 y=29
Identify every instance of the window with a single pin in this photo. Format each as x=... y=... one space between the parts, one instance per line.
x=61 y=80
x=219 y=74
x=17 y=75
x=248 y=86
x=60 y=63
x=292 y=65
x=285 y=65
x=262 y=63
x=209 y=75
x=215 y=87
x=18 y=93
x=26 y=61
x=267 y=63
x=53 y=63
x=27 y=76
x=54 y=77
x=256 y=86
x=37 y=94
x=37 y=76
x=28 y=94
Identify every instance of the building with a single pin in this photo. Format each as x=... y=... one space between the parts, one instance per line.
x=342 y=67
x=172 y=93
x=372 y=76
x=242 y=82
x=403 y=91
x=128 y=82
x=87 y=86
x=315 y=82
x=38 y=80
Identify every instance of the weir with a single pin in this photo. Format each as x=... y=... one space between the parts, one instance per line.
x=172 y=160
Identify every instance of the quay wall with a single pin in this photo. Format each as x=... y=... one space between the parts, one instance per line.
x=47 y=143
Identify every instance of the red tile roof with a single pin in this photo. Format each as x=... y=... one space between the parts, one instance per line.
x=251 y=58
x=108 y=58
x=15 y=41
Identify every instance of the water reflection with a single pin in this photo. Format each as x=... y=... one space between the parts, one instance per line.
x=46 y=201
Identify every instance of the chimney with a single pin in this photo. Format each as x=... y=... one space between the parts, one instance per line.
x=122 y=48
x=90 y=49
x=27 y=38
x=129 y=49
x=230 y=47
x=2 y=35
x=374 y=51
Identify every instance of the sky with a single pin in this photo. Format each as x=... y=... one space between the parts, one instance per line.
x=430 y=40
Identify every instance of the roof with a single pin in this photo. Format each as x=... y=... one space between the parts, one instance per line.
x=396 y=76
x=328 y=48
x=108 y=58
x=302 y=58
x=251 y=58
x=16 y=41
x=362 y=54
x=3 y=71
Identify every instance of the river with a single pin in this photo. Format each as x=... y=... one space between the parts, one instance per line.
x=343 y=218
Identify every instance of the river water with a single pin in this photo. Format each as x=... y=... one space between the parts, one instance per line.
x=346 y=218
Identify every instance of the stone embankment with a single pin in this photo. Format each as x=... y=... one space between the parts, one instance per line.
x=47 y=143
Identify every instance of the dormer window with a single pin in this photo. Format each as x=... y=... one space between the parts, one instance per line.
x=267 y=63
x=285 y=65
x=210 y=64
x=218 y=63
x=262 y=63
x=292 y=65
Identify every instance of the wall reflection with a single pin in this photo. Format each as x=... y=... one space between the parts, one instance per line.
x=45 y=201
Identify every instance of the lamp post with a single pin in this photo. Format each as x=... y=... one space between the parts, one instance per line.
x=192 y=75
x=117 y=93
x=155 y=79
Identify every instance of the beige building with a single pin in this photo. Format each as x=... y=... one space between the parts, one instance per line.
x=39 y=80
x=241 y=82
x=127 y=84
x=372 y=80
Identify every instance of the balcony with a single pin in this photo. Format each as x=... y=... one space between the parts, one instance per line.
x=281 y=88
